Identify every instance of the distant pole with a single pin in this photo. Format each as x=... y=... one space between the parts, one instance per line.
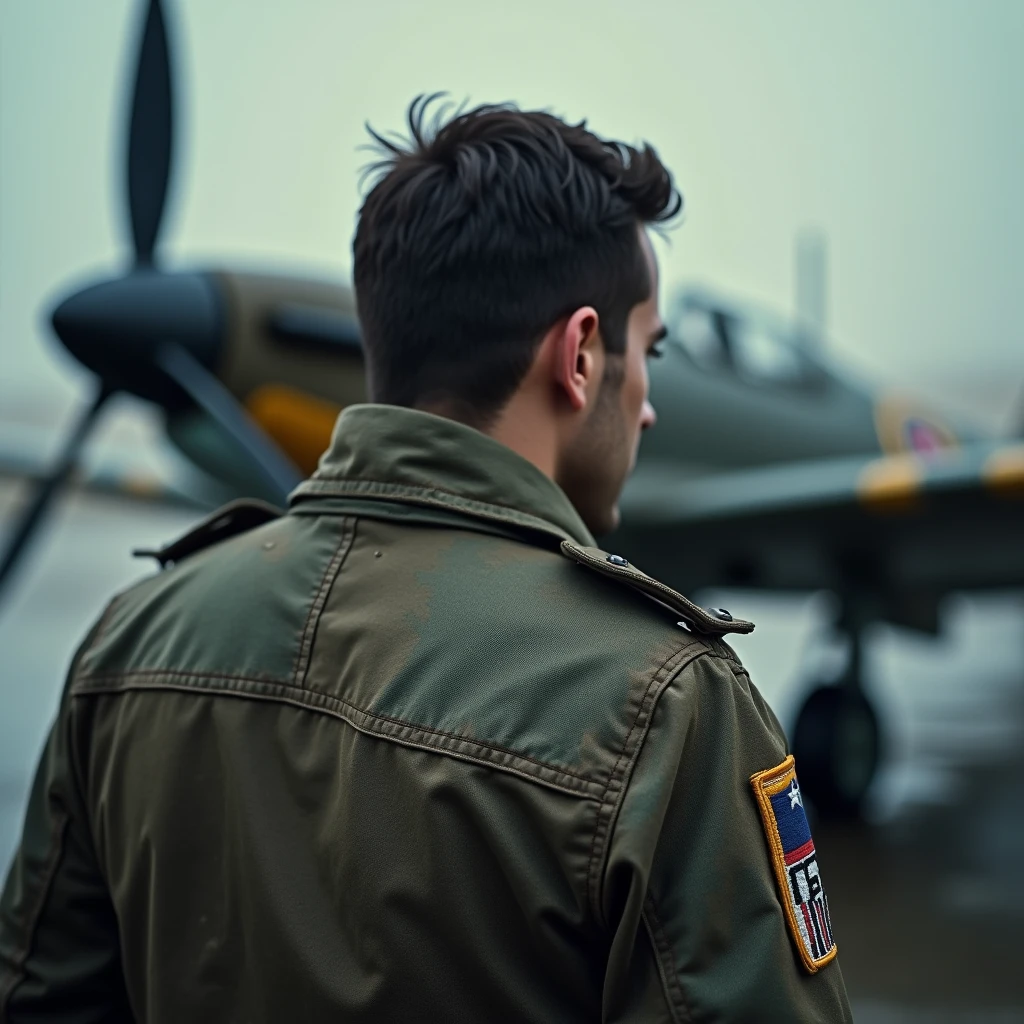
x=811 y=281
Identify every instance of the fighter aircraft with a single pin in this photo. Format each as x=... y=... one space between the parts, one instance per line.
x=768 y=470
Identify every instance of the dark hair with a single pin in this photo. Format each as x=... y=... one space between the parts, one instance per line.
x=480 y=232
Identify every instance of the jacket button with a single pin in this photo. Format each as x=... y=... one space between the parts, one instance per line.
x=721 y=613
x=617 y=560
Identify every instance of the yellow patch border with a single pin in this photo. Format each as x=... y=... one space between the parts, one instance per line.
x=766 y=785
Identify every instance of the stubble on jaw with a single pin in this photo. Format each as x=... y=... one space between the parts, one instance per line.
x=593 y=473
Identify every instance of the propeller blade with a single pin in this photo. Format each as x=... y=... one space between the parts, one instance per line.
x=32 y=516
x=150 y=136
x=217 y=402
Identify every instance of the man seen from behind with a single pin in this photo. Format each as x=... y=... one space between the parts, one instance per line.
x=417 y=749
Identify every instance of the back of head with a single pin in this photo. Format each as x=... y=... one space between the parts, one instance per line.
x=481 y=231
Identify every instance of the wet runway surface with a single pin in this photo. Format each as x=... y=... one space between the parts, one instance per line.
x=927 y=896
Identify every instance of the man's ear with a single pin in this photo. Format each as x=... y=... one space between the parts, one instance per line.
x=577 y=362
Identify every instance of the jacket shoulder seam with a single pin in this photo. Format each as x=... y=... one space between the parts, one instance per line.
x=618 y=780
x=398 y=730
x=616 y=783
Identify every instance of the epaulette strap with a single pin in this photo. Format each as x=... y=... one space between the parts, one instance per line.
x=716 y=622
x=228 y=521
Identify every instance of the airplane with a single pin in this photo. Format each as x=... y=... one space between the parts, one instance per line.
x=768 y=470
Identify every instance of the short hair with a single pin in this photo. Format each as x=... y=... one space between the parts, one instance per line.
x=481 y=230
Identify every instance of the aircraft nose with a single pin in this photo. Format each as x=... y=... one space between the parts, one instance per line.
x=116 y=327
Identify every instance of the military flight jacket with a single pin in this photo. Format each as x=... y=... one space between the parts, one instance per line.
x=413 y=751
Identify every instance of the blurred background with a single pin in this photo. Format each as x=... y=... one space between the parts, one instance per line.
x=883 y=138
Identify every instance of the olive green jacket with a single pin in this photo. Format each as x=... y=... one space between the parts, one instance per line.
x=413 y=751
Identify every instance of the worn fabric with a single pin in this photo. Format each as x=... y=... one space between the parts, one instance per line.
x=394 y=756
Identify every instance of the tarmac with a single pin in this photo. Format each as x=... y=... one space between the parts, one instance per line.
x=927 y=894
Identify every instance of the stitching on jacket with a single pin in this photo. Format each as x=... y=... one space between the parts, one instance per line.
x=696 y=648
x=306 y=698
x=674 y=995
x=321 y=483
x=665 y=683
x=302 y=655
x=85 y=681
x=340 y=486
x=21 y=954
x=615 y=769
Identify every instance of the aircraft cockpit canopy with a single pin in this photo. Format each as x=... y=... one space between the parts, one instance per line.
x=754 y=346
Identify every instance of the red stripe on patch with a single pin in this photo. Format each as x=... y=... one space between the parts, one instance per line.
x=811 y=937
x=800 y=852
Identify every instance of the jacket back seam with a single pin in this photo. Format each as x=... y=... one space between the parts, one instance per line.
x=397 y=730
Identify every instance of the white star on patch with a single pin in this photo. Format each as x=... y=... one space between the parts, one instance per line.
x=794 y=796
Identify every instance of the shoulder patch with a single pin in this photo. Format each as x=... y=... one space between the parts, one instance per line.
x=701 y=620
x=795 y=862
x=228 y=521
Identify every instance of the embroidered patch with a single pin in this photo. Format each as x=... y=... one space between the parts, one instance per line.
x=795 y=863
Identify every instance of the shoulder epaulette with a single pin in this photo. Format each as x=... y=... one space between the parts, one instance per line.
x=228 y=521
x=709 y=621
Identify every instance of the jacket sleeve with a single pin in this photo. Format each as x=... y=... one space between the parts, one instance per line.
x=698 y=927
x=59 y=950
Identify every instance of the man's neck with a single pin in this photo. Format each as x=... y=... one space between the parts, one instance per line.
x=522 y=425
x=528 y=431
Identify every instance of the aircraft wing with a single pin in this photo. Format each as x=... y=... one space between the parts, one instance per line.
x=122 y=471
x=900 y=531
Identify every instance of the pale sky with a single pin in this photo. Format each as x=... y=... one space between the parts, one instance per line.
x=895 y=126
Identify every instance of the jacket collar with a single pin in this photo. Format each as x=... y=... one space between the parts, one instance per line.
x=395 y=454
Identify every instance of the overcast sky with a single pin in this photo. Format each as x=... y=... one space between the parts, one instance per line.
x=893 y=125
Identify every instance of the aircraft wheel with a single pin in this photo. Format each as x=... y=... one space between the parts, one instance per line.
x=837 y=746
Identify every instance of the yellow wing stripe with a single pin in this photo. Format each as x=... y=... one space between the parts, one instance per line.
x=892 y=484
x=1004 y=471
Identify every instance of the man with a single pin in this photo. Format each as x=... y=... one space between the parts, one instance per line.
x=417 y=749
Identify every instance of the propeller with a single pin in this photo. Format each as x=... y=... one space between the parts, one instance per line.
x=160 y=335
x=153 y=334
x=149 y=168
x=217 y=402
x=150 y=136
x=33 y=513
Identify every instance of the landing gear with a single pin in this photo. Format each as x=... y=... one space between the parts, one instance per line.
x=837 y=742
